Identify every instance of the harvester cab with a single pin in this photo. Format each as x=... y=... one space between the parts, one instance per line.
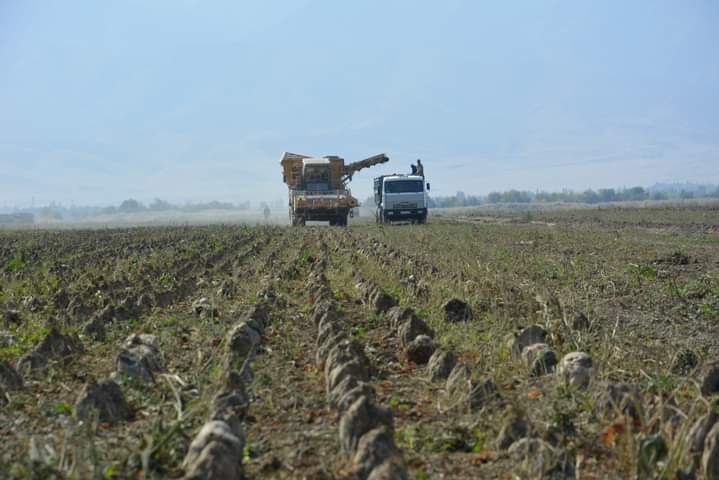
x=316 y=174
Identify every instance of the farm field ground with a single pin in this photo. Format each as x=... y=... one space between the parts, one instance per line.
x=130 y=341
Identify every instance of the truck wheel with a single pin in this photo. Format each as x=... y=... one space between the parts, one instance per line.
x=422 y=220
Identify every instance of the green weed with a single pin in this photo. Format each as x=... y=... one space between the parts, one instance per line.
x=18 y=263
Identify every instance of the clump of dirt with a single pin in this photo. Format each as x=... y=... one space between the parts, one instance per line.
x=675 y=258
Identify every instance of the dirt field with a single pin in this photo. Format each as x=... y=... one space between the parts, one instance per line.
x=323 y=353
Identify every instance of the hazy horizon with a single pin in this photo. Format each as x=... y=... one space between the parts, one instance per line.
x=189 y=101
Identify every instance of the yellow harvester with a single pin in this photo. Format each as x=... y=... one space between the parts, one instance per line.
x=318 y=186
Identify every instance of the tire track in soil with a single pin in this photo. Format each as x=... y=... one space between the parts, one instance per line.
x=292 y=434
x=298 y=435
x=217 y=449
x=366 y=431
x=241 y=334
x=423 y=410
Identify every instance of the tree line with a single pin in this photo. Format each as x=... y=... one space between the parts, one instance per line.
x=57 y=211
x=158 y=205
x=568 y=196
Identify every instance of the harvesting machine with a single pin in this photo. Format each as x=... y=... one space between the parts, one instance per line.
x=318 y=186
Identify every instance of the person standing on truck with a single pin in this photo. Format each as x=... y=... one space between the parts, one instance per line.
x=420 y=168
x=414 y=168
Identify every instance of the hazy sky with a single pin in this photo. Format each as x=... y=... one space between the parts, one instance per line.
x=196 y=100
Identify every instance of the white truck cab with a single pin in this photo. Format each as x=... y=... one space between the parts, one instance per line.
x=401 y=197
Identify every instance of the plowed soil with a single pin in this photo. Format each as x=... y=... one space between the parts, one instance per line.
x=638 y=301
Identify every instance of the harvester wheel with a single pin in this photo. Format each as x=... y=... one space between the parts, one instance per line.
x=297 y=220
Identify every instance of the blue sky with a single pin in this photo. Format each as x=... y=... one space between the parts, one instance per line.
x=196 y=100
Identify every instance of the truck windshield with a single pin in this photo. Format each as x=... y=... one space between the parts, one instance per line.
x=403 y=186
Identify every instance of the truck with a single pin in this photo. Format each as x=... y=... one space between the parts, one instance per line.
x=318 y=186
x=401 y=197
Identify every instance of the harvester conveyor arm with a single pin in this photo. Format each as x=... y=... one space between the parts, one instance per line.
x=353 y=167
